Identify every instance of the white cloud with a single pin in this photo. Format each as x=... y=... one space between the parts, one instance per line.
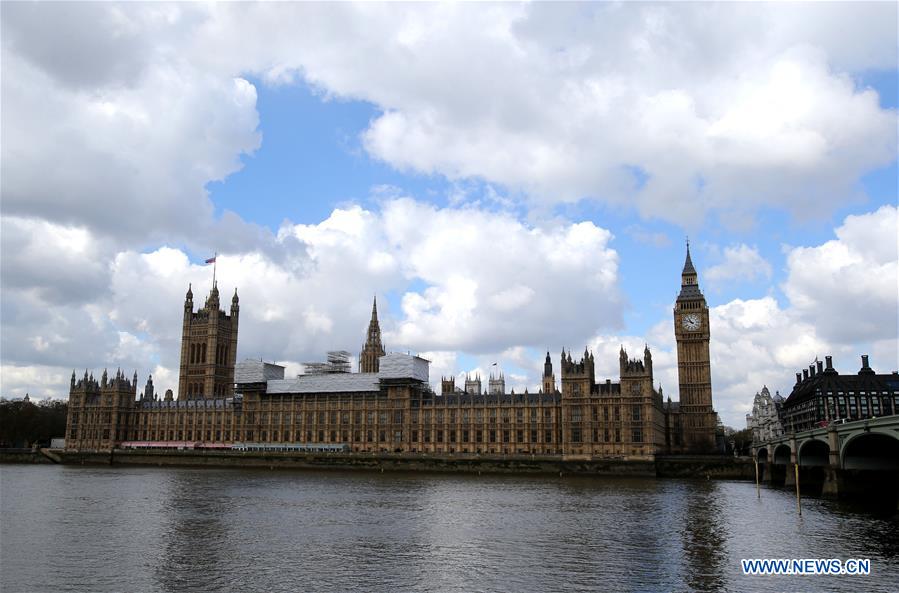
x=108 y=126
x=488 y=282
x=118 y=115
x=495 y=282
x=849 y=287
x=741 y=262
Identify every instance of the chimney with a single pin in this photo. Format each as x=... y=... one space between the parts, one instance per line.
x=804 y=374
x=811 y=370
x=820 y=367
x=798 y=378
x=865 y=370
x=829 y=360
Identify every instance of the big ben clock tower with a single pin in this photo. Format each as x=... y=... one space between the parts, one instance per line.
x=691 y=329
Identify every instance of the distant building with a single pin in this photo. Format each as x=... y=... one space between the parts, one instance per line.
x=764 y=421
x=822 y=396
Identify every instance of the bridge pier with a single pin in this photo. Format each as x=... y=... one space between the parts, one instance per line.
x=831 y=487
x=790 y=476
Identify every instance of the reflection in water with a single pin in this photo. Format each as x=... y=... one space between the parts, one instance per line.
x=170 y=529
x=195 y=539
x=704 y=537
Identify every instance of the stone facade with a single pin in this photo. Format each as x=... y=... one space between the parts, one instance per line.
x=208 y=348
x=389 y=405
x=764 y=421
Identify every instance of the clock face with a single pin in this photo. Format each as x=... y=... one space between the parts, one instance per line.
x=691 y=322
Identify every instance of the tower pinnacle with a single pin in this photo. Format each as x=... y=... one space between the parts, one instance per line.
x=373 y=348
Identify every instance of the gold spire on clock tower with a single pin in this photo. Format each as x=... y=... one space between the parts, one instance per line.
x=691 y=329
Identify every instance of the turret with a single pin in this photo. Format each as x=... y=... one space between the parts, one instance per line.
x=235 y=304
x=149 y=392
x=549 y=379
x=212 y=303
x=447 y=385
x=189 y=300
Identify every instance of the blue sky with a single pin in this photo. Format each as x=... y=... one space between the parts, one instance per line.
x=506 y=178
x=311 y=161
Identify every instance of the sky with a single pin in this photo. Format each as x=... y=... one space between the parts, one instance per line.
x=508 y=179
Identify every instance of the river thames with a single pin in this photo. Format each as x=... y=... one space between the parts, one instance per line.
x=67 y=528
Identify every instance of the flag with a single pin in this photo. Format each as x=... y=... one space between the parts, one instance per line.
x=211 y=260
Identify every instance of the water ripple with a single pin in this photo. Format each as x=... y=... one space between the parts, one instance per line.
x=171 y=530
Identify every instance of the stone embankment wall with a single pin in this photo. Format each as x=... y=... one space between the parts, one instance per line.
x=700 y=467
x=23 y=456
x=715 y=467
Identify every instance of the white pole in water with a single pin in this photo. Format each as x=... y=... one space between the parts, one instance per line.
x=798 y=503
x=758 y=492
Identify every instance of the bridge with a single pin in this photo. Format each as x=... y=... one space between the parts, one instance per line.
x=844 y=458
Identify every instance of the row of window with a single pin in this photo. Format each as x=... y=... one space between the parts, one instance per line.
x=371 y=436
x=835 y=407
x=197 y=353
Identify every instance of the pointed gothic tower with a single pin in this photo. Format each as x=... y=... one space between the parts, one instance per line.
x=373 y=348
x=691 y=330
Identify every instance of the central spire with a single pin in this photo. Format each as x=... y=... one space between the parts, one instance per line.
x=374 y=328
x=373 y=348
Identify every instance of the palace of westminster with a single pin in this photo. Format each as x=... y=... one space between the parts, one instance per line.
x=389 y=406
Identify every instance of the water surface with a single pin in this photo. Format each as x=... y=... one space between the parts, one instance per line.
x=72 y=528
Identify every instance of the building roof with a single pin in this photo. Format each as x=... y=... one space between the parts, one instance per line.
x=830 y=381
x=392 y=366
x=688 y=264
x=330 y=383
x=257 y=371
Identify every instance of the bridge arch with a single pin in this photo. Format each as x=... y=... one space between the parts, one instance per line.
x=813 y=453
x=871 y=451
x=782 y=454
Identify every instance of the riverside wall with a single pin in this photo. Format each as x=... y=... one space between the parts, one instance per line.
x=699 y=467
x=22 y=456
